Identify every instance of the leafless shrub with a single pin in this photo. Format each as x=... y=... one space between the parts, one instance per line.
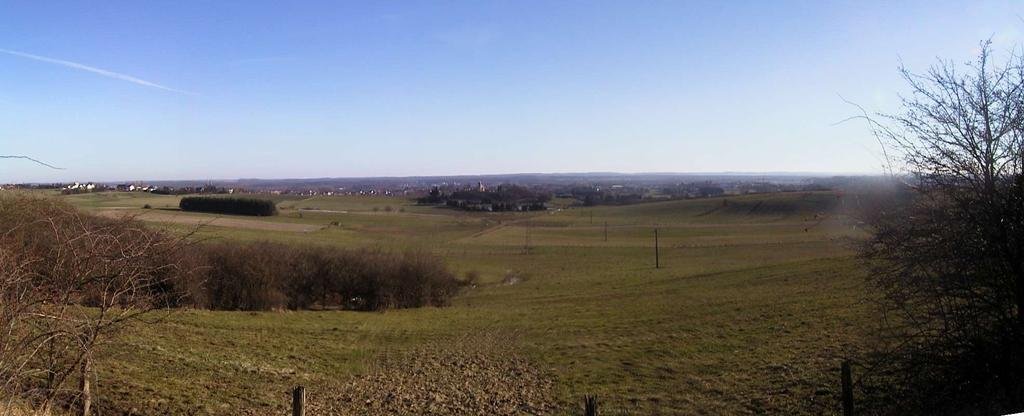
x=949 y=261
x=471 y=278
x=18 y=343
x=247 y=277
x=72 y=282
x=269 y=276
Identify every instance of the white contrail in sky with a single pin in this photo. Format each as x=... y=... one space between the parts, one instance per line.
x=94 y=70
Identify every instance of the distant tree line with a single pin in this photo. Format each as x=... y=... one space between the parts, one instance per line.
x=503 y=198
x=435 y=196
x=591 y=196
x=604 y=198
x=229 y=205
x=75 y=191
x=694 y=190
x=185 y=190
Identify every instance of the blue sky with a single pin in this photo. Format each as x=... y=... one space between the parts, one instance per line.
x=225 y=89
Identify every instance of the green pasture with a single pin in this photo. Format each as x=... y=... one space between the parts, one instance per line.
x=758 y=299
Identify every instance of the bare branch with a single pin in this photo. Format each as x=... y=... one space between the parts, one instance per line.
x=30 y=159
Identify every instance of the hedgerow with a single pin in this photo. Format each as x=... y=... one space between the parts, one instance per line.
x=229 y=205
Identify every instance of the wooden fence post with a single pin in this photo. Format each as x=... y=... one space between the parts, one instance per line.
x=847 y=389
x=299 y=401
x=589 y=405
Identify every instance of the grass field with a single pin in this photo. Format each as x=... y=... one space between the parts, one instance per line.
x=757 y=301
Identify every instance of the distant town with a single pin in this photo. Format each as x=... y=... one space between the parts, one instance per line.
x=519 y=192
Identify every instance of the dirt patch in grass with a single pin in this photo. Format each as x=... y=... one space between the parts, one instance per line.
x=458 y=376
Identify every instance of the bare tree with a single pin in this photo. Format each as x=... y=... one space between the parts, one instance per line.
x=31 y=159
x=949 y=262
x=71 y=282
x=18 y=342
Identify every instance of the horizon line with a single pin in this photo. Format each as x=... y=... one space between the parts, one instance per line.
x=463 y=175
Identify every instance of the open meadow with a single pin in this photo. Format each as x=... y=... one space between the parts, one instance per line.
x=757 y=300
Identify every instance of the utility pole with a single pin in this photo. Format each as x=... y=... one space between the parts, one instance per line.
x=657 y=260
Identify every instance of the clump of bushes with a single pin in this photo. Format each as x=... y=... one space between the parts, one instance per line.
x=71 y=282
x=229 y=205
x=471 y=278
x=271 y=276
x=245 y=276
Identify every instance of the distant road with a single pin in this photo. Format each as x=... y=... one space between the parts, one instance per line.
x=223 y=221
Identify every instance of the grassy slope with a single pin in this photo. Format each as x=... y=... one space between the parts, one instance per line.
x=757 y=299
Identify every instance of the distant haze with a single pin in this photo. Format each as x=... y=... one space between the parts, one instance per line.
x=553 y=179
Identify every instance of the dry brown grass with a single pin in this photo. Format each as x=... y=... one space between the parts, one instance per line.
x=479 y=374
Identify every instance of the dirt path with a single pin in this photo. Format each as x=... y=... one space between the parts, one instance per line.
x=498 y=226
x=461 y=376
x=223 y=221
